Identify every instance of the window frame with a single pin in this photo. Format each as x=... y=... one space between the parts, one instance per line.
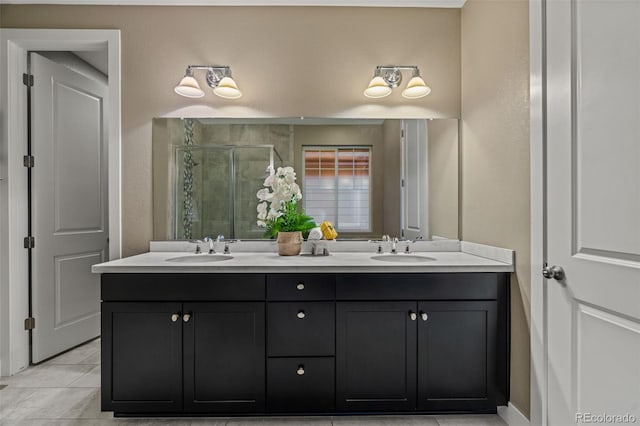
x=336 y=148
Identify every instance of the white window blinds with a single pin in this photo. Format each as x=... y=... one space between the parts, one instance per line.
x=337 y=186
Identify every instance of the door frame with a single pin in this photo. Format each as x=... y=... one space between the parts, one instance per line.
x=14 y=47
x=538 y=143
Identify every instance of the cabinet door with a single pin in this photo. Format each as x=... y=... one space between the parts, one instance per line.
x=457 y=355
x=141 y=357
x=224 y=357
x=375 y=356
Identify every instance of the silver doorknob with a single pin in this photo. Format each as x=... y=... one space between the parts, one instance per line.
x=300 y=286
x=413 y=316
x=301 y=314
x=424 y=316
x=555 y=272
x=174 y=317
x=300 y=370
x=186 y=317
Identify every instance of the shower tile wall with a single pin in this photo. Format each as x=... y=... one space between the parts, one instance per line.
x=212 y=174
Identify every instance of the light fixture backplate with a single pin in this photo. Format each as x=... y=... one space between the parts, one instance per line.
x=393 y=77
x=214 y=75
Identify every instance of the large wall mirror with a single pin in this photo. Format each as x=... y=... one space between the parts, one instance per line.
x=368 y=177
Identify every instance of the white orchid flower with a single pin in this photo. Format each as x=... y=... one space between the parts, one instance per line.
x=269 y=181
x=295 y=190
x=264 y=194
x=262 y=210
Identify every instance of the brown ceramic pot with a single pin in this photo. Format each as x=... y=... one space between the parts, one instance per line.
x=289 y=243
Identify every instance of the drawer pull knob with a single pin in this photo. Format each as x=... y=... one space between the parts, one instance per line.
x=174 y=317
x=186 y=317
x=413 y=316
x=301 y=314
x=300 y=286
x=424 y=316
x=300 y=370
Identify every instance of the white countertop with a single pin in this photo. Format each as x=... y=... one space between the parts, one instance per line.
x=336 y=262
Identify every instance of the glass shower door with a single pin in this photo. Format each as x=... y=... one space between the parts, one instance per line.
x=250 y=169
x=215 y=190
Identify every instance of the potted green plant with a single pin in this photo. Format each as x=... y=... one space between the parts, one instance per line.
x=279 y=213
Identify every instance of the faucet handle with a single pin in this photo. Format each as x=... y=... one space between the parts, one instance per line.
x=197 y=243
x=379 y=243
x=226 y=245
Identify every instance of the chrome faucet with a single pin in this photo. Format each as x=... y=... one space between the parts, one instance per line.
x=394 y=245
x=210 y=241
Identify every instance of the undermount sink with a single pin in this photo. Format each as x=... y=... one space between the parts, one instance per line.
x=402 y=258
x=200 y=258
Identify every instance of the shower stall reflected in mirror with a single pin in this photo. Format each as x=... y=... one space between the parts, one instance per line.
x=215 y=189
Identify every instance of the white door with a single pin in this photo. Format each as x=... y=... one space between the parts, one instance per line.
x=593 y=211
x=68 y=205
x=415 y=194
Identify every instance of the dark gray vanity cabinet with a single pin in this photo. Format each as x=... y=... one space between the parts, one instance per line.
x=183 y=356
x=421 y=342
x=296 y=343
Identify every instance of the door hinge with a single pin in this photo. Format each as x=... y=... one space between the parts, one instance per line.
x=402 y=183
x=29 y=323
x=28 y=161
x=29 y=242
x=402 y=133
x=27 y=80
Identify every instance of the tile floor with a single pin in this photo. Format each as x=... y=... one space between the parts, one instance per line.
x=65 y=391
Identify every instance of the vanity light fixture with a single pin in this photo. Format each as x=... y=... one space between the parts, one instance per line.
x=388 y=77
x=218 y=78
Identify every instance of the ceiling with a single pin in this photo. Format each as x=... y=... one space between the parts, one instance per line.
x=360 y=3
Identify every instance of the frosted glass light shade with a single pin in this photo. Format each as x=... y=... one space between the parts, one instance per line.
x=416 y=89
x=378 y=88
x=227 y=88
x=189 y=88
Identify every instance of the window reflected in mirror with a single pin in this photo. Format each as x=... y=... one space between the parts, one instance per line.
x=336 y=186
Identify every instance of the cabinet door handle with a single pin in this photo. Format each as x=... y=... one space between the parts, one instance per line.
x=300 y=370
x=413 y=316
x=424 y=316
x=300 y=286
x=301 y=314
x=174 y=317
x=186 y=317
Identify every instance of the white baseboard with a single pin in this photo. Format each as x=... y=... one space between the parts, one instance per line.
x=512 y=416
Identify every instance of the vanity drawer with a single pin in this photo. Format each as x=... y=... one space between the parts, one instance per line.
x=301 y=287
x=300 y=384
x=432 y=286
x=182 y=287
x=301 y=329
